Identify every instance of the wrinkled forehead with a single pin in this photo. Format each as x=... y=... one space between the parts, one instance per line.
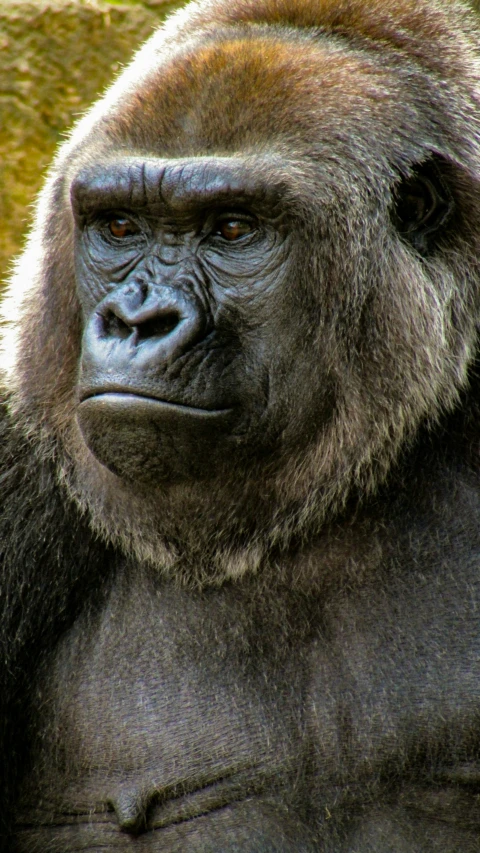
x=241 y=91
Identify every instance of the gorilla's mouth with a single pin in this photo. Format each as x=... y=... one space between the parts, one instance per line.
x=133 y=397
x=147 y=439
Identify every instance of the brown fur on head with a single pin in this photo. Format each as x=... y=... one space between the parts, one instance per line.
x=340 y=100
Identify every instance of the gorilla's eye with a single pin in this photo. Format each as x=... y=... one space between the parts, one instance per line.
x=233 y=229
x=121 y=227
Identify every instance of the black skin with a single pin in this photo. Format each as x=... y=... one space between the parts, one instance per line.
x=267 y=662
x=191 y=223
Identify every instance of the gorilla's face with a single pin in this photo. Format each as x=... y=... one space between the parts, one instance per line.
x=193 y=345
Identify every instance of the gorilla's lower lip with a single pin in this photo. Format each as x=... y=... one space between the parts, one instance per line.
x=152 y=440
x=133 y=399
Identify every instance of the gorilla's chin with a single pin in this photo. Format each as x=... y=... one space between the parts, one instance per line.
x=154 y=441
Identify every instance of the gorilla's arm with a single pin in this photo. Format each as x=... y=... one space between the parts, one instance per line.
x=49 y=559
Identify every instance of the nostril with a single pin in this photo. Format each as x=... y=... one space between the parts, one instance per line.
x=114 y=327
x=158 y=327
x=110 y=325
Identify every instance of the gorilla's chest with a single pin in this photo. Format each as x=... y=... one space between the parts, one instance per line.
x=169 y=709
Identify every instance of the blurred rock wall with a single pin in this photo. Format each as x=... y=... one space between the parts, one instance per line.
x=56 y=56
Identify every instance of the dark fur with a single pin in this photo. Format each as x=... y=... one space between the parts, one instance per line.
x=284 y=656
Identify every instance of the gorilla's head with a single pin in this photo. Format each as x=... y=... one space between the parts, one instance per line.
x=253 y=276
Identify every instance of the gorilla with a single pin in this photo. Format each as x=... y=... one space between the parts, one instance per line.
x=240 y=446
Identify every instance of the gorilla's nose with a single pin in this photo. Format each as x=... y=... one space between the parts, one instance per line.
x=161 y=323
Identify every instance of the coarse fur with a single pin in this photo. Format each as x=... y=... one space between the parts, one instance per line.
x=280 y=625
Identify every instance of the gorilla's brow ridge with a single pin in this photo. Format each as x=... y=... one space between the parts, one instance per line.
x=176 y=185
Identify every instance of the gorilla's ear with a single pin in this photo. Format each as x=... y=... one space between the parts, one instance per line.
x=422 y=205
